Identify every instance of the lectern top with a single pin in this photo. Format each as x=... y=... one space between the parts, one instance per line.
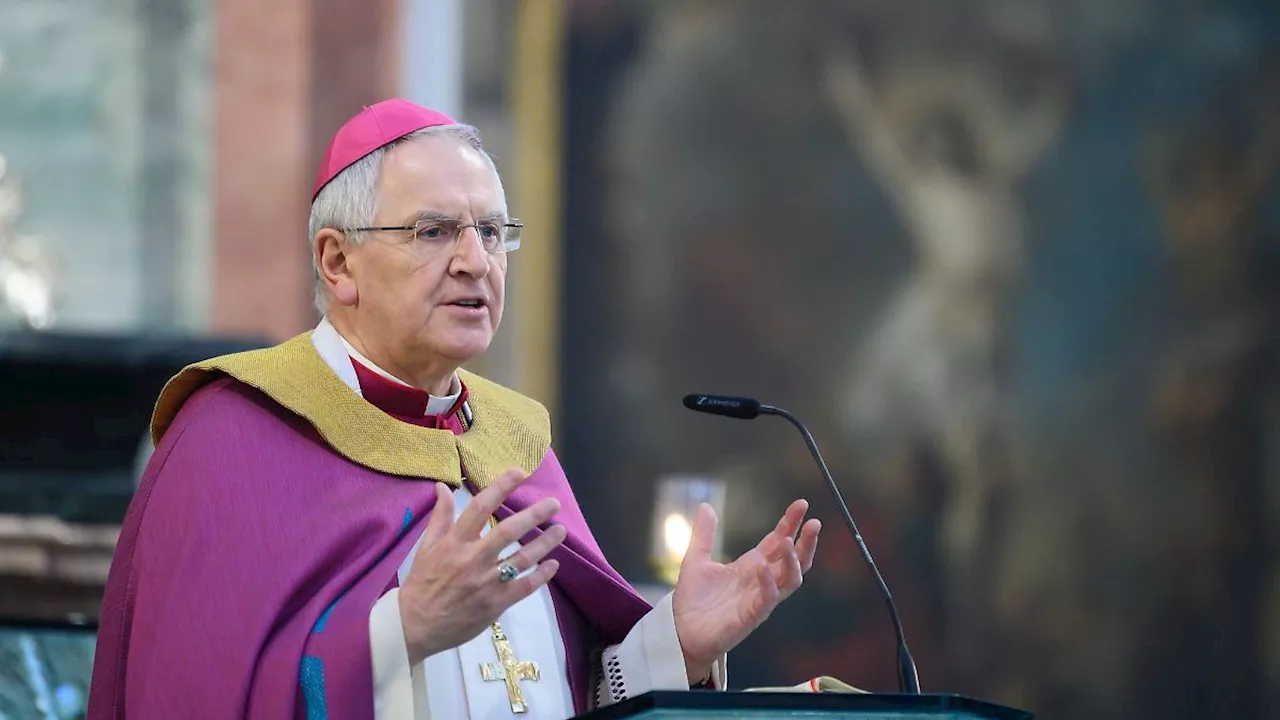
x=710 y=705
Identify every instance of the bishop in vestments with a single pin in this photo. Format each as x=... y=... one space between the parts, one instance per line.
x=349 y=525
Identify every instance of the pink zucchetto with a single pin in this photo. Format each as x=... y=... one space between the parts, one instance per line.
x=376 y=126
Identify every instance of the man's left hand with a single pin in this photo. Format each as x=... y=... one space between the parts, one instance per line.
x=716 y=606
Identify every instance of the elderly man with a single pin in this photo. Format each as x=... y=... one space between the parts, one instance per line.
x=284 y=556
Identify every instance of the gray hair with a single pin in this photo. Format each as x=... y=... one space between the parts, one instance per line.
x=350 y=200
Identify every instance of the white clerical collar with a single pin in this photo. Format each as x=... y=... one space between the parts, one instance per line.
x=338 y=354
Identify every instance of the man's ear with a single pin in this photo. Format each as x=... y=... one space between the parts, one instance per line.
x=332 y=258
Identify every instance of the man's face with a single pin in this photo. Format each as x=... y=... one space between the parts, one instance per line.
x=417 y=311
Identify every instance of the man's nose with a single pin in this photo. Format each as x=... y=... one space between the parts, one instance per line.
x=469 y=255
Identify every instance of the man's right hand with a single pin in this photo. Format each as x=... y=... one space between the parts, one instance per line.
x=453 y=591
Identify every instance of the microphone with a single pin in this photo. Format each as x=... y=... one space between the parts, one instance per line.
x=749 y=409
x=734 y=407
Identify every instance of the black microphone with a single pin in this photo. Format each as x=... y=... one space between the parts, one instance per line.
x=734 y=407
x=749 y=409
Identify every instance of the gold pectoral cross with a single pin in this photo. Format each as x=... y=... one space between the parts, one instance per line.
x=510 y=670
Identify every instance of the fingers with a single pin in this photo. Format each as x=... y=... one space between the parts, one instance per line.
x=769 y=595
x=519 y=525
x=441 y=516
x=529 y=555
x=771 y=544
x=477 y=514
x=791 y=575
x=791 y=519
x=703 y=534
x=791 y=559
x=807 y=547
x=521 y=588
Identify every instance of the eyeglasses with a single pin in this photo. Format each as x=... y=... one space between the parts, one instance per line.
x=436 y=235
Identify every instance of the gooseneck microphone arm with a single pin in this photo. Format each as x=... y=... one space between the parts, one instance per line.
x=749 y=409
x=908 y=678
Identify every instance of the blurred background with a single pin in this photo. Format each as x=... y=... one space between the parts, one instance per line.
x=1016 y=262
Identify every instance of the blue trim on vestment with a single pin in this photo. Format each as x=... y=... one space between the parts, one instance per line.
x=311 y=676
x=324 y=616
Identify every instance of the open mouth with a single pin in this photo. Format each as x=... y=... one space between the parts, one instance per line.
x=468 y=303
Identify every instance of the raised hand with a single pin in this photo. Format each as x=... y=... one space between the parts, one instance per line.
x=716 y=606
x=453 y=592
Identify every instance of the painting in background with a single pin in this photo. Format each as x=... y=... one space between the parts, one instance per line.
x=1016 y=263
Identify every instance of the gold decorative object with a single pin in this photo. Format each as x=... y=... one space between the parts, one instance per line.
x=509 y=670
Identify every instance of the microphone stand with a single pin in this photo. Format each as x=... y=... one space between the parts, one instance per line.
x=908 y=678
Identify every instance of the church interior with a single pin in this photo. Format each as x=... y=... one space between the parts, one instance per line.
x=1016 y=264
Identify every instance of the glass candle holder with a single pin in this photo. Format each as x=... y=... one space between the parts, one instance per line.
x=675 y=507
